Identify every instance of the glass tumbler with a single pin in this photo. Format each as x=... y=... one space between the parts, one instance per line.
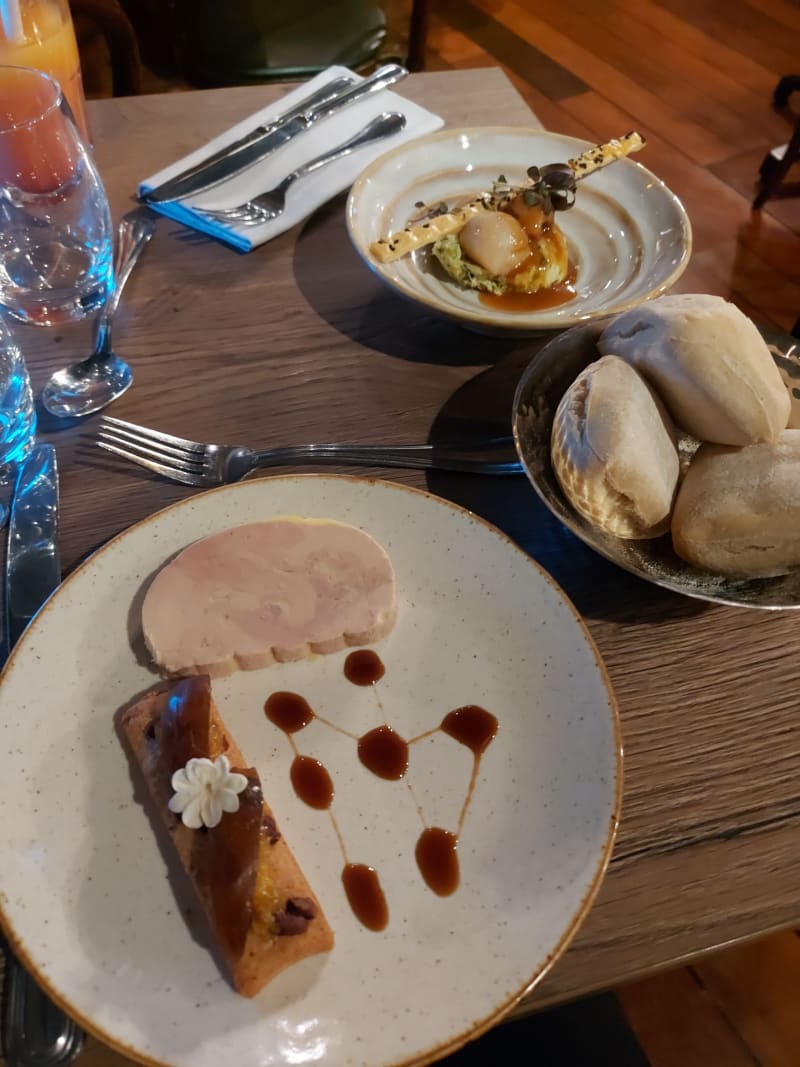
x=40 y=34
x=17 y=413
x=55 y=224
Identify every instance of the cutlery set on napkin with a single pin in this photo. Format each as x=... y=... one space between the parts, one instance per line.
x=328 y=129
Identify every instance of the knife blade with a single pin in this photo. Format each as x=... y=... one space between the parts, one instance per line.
x=35 y=1032
x=252 y=149
x=321 y=96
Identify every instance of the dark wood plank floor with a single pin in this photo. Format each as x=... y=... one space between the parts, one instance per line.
x=696 y=77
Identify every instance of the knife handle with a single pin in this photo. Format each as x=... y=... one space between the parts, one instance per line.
x=383 y=76
x=35 y=1032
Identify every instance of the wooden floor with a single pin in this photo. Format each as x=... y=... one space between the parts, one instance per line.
x=696 y=77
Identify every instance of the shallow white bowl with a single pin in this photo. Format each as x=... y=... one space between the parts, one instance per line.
x=629 y=236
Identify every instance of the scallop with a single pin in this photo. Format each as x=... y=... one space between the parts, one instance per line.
x=495 y=241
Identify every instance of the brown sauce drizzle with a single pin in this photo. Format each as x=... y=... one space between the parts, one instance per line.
x=288 y=711
x=437 y=858
x=311 y=782
x=364 y=667
x=384 y=752
x=553 y=296
x=471 y=726
x=365 y=896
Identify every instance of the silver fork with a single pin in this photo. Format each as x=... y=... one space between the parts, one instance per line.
x=198 y=464
x=272 y=203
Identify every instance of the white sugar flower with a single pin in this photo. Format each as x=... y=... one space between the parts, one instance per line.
x=203 y=790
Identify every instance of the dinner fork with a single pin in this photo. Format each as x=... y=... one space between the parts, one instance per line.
x=198 y=464
x=269 y=205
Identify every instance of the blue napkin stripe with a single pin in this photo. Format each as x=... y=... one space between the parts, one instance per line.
x=196 y=221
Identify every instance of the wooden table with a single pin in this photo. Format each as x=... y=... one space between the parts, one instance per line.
x=298 y=341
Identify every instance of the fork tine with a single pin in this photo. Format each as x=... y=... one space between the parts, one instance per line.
x=193 y=464
x=158 y=468
x=144 y=433
x=149 y=444
x=229 y=215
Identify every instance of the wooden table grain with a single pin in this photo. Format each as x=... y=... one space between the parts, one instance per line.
x=298 y=341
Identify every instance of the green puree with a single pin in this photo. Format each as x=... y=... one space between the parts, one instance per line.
x=448 y=251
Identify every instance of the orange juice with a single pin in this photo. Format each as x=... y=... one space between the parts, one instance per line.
x=38 y=145
x=48 y=43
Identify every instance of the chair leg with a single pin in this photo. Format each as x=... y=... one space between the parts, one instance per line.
x=785 y=87
x=773 y=171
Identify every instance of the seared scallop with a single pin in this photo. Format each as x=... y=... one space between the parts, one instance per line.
x=495 y=241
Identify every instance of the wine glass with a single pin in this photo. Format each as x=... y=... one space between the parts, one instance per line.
x=55 y=225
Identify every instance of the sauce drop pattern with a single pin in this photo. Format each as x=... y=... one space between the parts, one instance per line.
x=386 y=755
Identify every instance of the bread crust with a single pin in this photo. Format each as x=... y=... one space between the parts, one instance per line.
x=708 y=363
x=614 y=451
x=264 y=956
x=738 y=509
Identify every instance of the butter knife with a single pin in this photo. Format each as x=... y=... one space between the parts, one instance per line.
x=35 y=1032
x=253 y=148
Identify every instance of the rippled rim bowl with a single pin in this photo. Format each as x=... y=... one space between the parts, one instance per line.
x=540 y=389
x=629 y=235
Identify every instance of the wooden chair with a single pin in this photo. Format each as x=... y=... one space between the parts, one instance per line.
x=108 y=46
x=776 y=165
x=210 y=44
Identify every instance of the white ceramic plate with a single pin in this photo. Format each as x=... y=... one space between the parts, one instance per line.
x=628 y=235
x=83 y=883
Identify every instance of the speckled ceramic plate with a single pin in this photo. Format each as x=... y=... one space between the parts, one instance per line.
x=540 y=389
x=86 y=896
x=629 y=236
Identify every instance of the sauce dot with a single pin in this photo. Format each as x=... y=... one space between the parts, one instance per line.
x=311 y=782
x=288 y=711
x=437 y=858
x=363 y=667
x=384 y=752
x=365 y=895
x=471 y=726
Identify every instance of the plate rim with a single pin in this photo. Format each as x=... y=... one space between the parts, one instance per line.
x=517 y=323
x=577 y=919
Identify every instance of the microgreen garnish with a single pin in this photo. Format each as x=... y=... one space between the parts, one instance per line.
x=552 y=188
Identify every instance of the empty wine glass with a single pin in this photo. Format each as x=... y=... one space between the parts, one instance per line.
x=55 y=224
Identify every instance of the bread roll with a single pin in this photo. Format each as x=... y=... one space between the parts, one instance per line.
x=613 y=451
x=708 y=363
x=738 y=509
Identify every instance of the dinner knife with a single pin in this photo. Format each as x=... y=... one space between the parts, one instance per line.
x=35 y=1032
x=317 y=99
x=264 y=141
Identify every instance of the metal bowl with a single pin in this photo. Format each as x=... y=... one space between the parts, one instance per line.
x=540 y=389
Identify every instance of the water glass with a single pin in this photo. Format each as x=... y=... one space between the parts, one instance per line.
x=55 y=224
x=17 y=413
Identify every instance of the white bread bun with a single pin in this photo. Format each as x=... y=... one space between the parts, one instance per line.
x=613 y=451
x=738 y=509
x=708 y=363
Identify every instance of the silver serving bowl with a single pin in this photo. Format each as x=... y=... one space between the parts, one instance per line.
x=540 y=389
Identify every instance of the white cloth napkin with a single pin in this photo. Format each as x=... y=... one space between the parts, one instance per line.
x=307 y=194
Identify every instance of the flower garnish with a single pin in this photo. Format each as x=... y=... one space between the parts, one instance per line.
x=204 y=790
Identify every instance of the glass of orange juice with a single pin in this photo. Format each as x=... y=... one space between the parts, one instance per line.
x=40 y=34
x=55 y=223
